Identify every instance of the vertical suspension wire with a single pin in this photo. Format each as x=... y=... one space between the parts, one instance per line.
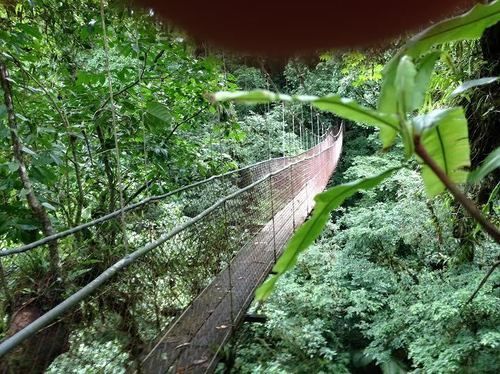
x=271 y=196
x=229 y=270
x=301 y=126
x=292 y=138
x=283 y=129
x=266 y=123
x=318 y=137
x=312 y=124
x=114 y=120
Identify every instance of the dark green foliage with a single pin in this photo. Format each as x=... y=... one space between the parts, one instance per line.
x=380 y=285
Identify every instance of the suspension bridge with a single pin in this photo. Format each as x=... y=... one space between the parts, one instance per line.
x=182 y=293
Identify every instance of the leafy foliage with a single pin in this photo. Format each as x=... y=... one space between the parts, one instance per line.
x=380 y=288
x=445 y=136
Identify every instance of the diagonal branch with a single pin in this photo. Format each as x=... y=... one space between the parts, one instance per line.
x=483 y=281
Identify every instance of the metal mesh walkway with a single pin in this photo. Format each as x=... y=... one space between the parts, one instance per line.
x=170 y=305
x=191 y=343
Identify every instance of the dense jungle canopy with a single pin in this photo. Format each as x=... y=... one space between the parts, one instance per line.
x=103 y=105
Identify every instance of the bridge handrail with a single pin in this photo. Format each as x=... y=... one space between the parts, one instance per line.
x=13 y=341
x=118 y=212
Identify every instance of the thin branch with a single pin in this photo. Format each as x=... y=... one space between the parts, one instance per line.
x=182 y=123
x=87 y=144
x=132 y=84
x=147 y=184
x=483 y=281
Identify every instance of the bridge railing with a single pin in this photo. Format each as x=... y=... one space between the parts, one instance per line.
x=110 y=322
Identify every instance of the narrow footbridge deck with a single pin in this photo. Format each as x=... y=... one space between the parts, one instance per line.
x=172 y=304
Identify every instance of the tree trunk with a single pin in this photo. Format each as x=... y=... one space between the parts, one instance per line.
x=17 y=149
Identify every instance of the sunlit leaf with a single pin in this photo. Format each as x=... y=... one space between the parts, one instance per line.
x=343 y=107
x=445 y=138
x=350 y=110
x=471 y=25
x=473 y=83
x=28 y=151
x=49 y=206
x=430 y=120
x=250 y=97
x=309 y=231
x=405 y=84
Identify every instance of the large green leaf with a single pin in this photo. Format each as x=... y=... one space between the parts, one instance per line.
x=351 y=110
x=309 y=231
x=467 y=26
x=159 y=111
x=405 y=89
x=445 y=137
x=491 y=163
x=472 y=84
x=343 y=107
x=405 y=85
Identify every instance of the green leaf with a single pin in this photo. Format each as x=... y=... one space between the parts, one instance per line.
x=351 y=110
x=470 y=25
x=159 y=111
x=309 y=231
x=405 y=85
x=425 y=69
x=445 y=137
x=465 y=27
x=343 y=107
x=250 y=97
x=49 y=206
x=28 y=151
x=430 y=120
x=491 y=163
x=467 y=85
x=13 y=166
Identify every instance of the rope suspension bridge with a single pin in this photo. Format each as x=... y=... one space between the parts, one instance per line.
x=182 y=293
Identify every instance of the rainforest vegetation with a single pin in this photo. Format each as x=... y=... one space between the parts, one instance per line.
x=104 y=105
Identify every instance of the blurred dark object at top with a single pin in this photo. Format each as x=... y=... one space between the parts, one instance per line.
x=279 y=28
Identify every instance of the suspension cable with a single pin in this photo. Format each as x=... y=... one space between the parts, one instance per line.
x=118 y=212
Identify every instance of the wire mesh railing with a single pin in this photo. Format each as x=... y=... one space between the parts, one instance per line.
x=183 y=292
